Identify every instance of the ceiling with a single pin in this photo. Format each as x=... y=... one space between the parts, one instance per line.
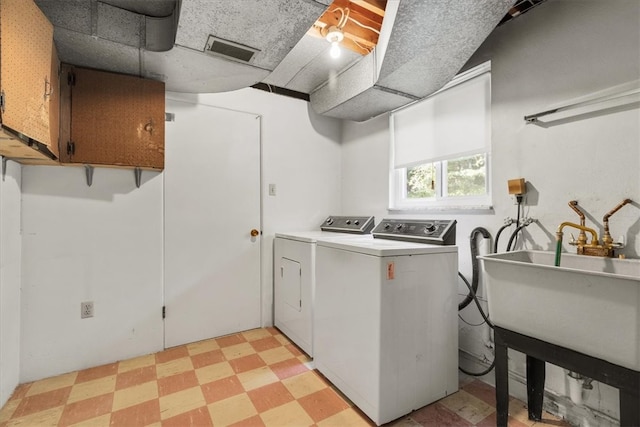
x=360 y=22
x=221 y=45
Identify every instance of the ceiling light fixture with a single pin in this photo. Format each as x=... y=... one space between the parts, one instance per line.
x=334 y=36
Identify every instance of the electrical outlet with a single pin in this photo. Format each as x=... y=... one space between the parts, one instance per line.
x=86 y=309
x=524 y=199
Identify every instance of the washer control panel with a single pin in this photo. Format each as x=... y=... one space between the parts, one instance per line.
x=348 y=224
x=436 y=232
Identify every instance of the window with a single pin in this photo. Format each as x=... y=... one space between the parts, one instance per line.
x=440 y=147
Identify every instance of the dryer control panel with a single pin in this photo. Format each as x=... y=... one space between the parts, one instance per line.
x=435 y=232
x=348 y=224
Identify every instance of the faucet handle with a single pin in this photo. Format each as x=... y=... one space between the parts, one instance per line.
x=572 y=241
x=621 y=243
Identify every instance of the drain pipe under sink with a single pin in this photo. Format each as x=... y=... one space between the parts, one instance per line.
x=578 y=383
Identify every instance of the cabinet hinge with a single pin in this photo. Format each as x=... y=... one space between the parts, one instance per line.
x=281 y=271
x=300 y=303
x=164 y=311
x=2 y=101
x=71 y=148
x=71 y=78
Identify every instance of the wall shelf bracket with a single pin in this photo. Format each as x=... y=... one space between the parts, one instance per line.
x=4 y=167
x=88 y=170
x=137 y=173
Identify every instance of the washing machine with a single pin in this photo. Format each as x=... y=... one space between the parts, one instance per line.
x=294 y=274
x=385 y=319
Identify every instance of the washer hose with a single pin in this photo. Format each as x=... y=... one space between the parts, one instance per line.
x=475 y=299
x=515 y=233
x=479 y=374
x=474 y=264
x=474 y=287
x=506 y=225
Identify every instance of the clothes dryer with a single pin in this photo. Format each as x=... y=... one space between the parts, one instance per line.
x=294 y=272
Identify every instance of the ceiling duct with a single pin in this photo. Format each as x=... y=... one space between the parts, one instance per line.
x=225 y=45
x=168 y=39
x=109 y=35
x=422 y=46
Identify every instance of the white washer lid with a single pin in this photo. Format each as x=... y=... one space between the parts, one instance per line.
x=316 y=236
x=385 y=247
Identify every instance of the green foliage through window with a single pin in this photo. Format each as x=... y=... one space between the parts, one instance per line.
x=421 y=181
x=467 y=176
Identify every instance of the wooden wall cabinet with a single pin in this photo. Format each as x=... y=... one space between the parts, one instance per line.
x=52 y=113
x=111 y=119
x=29 y=84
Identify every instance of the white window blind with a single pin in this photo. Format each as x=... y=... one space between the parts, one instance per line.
x=453 y=123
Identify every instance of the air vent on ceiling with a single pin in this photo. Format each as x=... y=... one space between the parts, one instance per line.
x=229 y=49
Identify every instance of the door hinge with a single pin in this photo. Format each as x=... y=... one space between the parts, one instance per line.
x=71 y=148
x=281 y=271
x=300 y=303
x=164 y=311
x=71 y=78
x=2 y=101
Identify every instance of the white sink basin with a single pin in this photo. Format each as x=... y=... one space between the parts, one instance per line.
x=588 y=304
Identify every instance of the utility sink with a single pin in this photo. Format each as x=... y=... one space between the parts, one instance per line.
x=588 y=304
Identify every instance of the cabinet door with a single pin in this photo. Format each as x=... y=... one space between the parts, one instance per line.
x=28 y=73
x=114 y=119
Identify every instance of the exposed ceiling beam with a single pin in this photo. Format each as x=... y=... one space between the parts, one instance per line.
x=360 y=21
x=375 y=6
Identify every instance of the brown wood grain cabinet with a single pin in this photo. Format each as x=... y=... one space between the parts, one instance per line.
x=29 y=84
x=111 y=119
x=61 y=114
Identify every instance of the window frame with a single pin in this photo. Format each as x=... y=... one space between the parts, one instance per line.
x=398 y=200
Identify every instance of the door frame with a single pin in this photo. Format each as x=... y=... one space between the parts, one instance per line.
x=263 y=296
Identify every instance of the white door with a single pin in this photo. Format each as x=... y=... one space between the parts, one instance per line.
x=212 y=204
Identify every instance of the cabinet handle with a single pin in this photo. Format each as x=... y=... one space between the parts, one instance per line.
x=48 y=89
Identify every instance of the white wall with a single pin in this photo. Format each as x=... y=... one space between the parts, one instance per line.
x=104 y=243
x=101 y=243
x=10 y=255
x=560 y=50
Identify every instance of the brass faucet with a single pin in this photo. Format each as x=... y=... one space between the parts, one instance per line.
x=606 y=239
x=582 y=237
x=594 y=248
